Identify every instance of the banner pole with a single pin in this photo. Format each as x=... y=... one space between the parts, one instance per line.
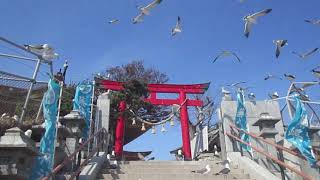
x=91 y=115
x=57 y=122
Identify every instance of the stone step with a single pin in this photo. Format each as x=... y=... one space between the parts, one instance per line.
x=176 y=167
x=173 y=176
x=168 y=162
x=163 y=171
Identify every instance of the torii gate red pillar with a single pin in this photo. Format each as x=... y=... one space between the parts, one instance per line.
x=119 y=134
x=182 y=90
x=185 y=127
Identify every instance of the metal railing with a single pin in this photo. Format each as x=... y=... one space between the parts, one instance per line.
x=101 y=135
x=268 y=155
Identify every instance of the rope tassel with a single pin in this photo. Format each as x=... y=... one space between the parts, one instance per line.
x=163 y=129
x=153 y=130
x=143 y=128
x=133 y=121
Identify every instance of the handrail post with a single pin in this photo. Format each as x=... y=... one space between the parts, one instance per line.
x=78 y=162
x=222 y=142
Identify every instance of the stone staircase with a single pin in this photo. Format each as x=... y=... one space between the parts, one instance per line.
x=170 y=170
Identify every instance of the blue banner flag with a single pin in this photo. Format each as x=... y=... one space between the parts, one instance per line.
x=82 y=103
x=241 y=121
x=298 y=132
x=44 y=163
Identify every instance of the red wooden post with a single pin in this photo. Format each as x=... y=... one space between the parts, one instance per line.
x=185 y=127
x=118 y=147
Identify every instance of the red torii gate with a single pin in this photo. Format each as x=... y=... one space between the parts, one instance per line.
x=182 y=90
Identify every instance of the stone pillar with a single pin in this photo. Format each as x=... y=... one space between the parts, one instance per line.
x=102 y=116
x=17 y=155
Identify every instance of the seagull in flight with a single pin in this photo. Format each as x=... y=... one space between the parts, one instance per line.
x=269 y=76
x=316 y=73
x=307 y=54
x=236 y=84
x=113 y=21
x=290 y=77
x=145 y=11
x=251 y=96
x=177 y=28
x=314 y=22
x=205 y=170
x=252 y=19
x=275 y=95
x=279 y=44
x=227 y=53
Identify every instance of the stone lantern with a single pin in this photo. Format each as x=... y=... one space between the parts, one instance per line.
x=315 y=137
x=17 y=154
x=267 y=126
x=75 y=122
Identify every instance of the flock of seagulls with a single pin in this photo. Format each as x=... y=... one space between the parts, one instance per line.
x=145 y=11
x=249 y=21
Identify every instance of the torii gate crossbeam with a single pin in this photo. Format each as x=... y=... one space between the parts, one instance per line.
x=182 y=100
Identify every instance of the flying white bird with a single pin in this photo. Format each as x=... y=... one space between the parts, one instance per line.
x=205 y=170
x=225 y=92
x=113 y=21
x=290 y=77
x=307 y=54
x=145 y=11
x=151 y=159
x=316 y=73
x=279 y=44
x=177 y=28
x=314 y=22
x=236 y=84
x=251 y=96
x=269 y=76
x=28 y=133
x=275 y=95
x=50 y=56
x=226 y=53
x=252 y=19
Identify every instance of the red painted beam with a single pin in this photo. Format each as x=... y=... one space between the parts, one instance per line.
x=160 y=88
x=167 y=102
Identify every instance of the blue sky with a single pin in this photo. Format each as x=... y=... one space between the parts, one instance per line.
x=80 y=32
